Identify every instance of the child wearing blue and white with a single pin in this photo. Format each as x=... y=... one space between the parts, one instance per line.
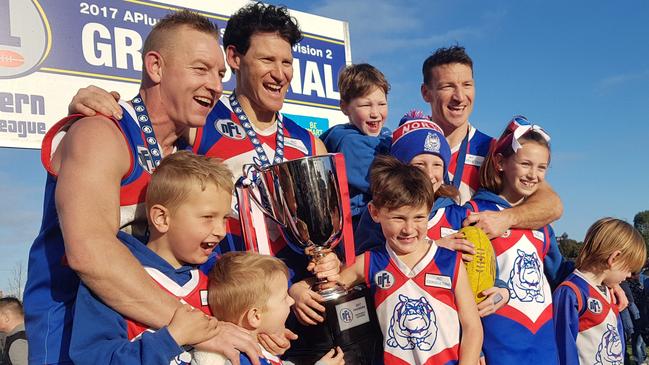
x=363 y=98
x=587 y=321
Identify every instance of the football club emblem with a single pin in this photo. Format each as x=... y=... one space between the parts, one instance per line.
x=229 y=129
x=25 y=37
x=432 y=144
x=594 y=305
x=384 y=279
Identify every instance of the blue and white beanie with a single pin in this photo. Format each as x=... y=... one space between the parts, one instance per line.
x=417 y=135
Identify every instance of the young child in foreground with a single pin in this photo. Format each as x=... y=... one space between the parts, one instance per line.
x=363 y=99
x=422 y=295
x=251 y=291
x=187 y=202
x=587 y=322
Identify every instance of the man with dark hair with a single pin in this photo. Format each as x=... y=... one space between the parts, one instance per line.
x=13 y=326
x=449 y=88
x=98 y=169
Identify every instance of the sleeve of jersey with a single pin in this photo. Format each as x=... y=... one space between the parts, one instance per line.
x=566 y=324
x=557 y=268
x=368 y=234
x=620 y=331
x=99 y=336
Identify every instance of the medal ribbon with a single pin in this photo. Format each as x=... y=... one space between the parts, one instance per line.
x=261 y=159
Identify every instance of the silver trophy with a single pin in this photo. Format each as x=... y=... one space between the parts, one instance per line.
x=303 y=197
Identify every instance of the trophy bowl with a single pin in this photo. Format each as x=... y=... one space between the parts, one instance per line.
x=303 y=197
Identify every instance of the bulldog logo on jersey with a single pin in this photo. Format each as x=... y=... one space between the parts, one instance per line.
x=229 y=129
x=25 y=38
x=609 y=351
x=526 y=278
x=413 y=325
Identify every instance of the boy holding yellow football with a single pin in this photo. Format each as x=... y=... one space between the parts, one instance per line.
x=423 y=300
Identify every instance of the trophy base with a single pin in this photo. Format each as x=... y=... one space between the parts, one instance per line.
x=350 y=322
x=332 y=293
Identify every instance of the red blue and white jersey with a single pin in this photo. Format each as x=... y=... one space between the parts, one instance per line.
x=477 y=150
x=530 y=263
x=100 y=335
x=51 y=285
x=224 y=137
x=416 y=307
x=588 y=325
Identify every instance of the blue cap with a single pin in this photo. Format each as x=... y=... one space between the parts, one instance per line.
x=417 y=135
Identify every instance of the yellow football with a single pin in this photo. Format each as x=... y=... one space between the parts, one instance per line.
x=482 y=269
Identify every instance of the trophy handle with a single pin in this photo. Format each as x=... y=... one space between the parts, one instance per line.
x=249 y=183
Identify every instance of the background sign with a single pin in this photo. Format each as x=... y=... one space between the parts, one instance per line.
x=49 y=49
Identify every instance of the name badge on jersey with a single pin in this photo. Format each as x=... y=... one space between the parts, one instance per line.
x=474 y=160
x=438 y=281
x=447 y=231
x=297 y=144
x=538 y=235
x=203 y=294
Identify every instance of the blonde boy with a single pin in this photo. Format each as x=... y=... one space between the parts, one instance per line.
x=422 y=295
x=251 y=291
x=587 y=322
x=187 y=202
x=363 y=98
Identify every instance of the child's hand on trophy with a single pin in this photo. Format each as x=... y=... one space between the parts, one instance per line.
x=326 y=267
x=307 y=307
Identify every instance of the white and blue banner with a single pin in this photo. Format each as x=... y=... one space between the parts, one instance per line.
x=51 y=48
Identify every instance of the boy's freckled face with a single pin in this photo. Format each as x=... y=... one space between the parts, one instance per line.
x=369 y=112
x=404 y=228
x=197 y=225
x=277 y=306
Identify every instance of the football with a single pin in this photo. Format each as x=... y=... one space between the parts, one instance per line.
x=482 y=269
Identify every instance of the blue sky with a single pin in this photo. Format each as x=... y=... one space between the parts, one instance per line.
x=578 y=68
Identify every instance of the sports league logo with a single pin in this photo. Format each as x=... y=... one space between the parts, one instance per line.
x=229 y=129
x=384 y=279
x=25 y=37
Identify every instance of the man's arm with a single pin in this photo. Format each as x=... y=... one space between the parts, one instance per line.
x=88 y=201
x=87 y=196
x=539 y=209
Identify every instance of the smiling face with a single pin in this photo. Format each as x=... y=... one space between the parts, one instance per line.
x=189 y=75
x=278 y=305
x=523 y=171
x=263 y=74
x=450 y=95
x=432 y=165
x=368 y=112
x=196 y=225
x=404 y=228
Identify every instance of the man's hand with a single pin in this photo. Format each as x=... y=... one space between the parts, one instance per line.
x=190 y=326
x=619 y=297
x=496 y=298
x=307 y=307
x=277 y=343
x=92 y=100
x=457 y=242
x=494 y=224
x=230 y=340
